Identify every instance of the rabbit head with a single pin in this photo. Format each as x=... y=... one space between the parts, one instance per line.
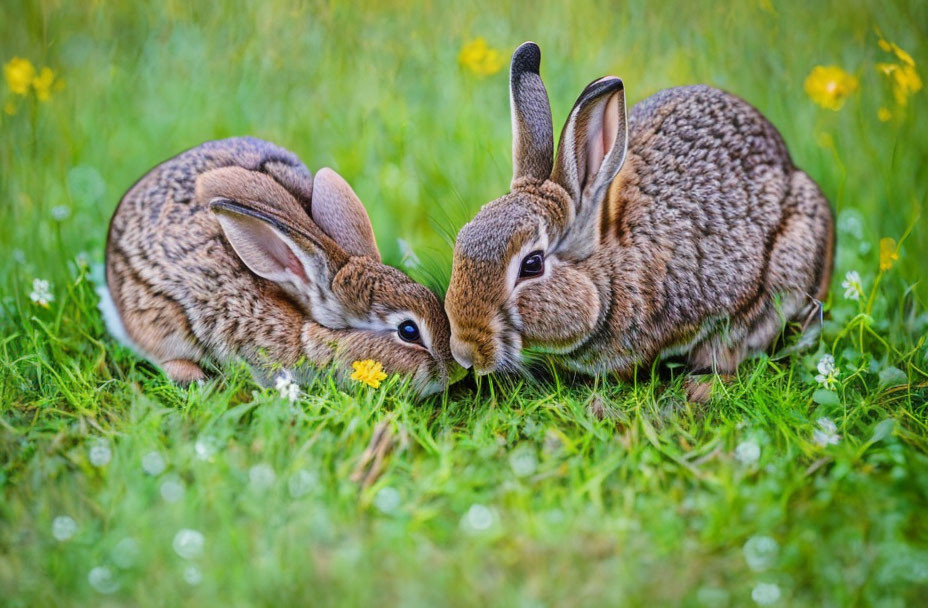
x=518 y=278
x=357 y=308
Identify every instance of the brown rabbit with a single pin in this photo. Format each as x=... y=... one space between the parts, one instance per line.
x=684 y=230
x=233 y=250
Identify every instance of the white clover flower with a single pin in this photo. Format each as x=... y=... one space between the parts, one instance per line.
x=302 y=482
x=852 y=286
x=188 y=543
x=523 y=460
x=387 y=499
x=192 y=575
x=41 y=293
x=826 y=433
x=478 y=518
x=205 y=447
x=765 y=594
x=827 y=372
x=172 y=489
x=288 y=389
x=747 y=452
x=153 y=463
x=100 y=453
x=261 y=476
x=63 y=527
x=760 y=552
x=125 y=553
x=61 y=212
x=101 y=578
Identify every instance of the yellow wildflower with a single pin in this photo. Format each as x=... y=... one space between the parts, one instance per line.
x=480 y=58
x=884 y=114
x=369 y=372
x=829 y=86
x=19 y=73
x=888 y=253
x=43 y=84
x=903 y=76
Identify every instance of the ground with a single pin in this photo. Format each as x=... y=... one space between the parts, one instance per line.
x=792 y=485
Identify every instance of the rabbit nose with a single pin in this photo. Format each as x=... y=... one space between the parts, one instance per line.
x=463 y=353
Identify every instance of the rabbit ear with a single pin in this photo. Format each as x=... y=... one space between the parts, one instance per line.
x=532 y=133
x=341 y=215
x=592 y=151
x=285 y=252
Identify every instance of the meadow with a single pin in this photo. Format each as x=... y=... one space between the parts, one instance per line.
x=802 y=482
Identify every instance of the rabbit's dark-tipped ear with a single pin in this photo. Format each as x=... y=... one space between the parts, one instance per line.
x=338 y=211
x=532 y=131
x=590 y=154
x=283 y=251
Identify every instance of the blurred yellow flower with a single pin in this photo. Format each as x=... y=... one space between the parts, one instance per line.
x=884 y=114
x=19 y=73
x=480 y=58
x=43 y=84
x=829 y=86
x=888 y=253
x=902 y=74
x=369 y=372
x=10 y=108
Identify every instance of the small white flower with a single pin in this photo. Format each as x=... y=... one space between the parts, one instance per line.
x=125 y=553
x=288 y=389
x=153 y=463
x=63 y=527
x=826 y=433
x=827 y=372
x=82 y=259
x=192 y=575
x=523 y=460
x=852 y=286
x=302 y=482
x=205 y=447
x=478 y=518
x=41 y=293
x=747 y=452
x=101 y=579
x=760 y=552
x=387 y=499
x=61 y=212
x=100 y=454
x=261 y=476
x=766 y=594
x=172 y=489
x=188 y=543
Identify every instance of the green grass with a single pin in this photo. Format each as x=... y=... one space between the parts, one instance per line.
x=569 y=491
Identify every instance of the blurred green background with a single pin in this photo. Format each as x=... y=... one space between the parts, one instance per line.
x=577 y=492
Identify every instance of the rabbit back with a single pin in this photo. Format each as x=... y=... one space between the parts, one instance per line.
x=179 y=289
x=720 y=224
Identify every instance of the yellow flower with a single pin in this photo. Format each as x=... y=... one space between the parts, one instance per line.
x=829 y=86
x=19 y=74
x=43 y=84
x=884 y=114
x=369 y=372
x=888 y=253
x=480 y=58
x=903 y=76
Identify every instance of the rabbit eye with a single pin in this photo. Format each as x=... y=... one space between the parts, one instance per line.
x=408 y=331
x=532 y=265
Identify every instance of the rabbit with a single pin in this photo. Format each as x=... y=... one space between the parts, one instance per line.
x=681 y=230
x=233 y=250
